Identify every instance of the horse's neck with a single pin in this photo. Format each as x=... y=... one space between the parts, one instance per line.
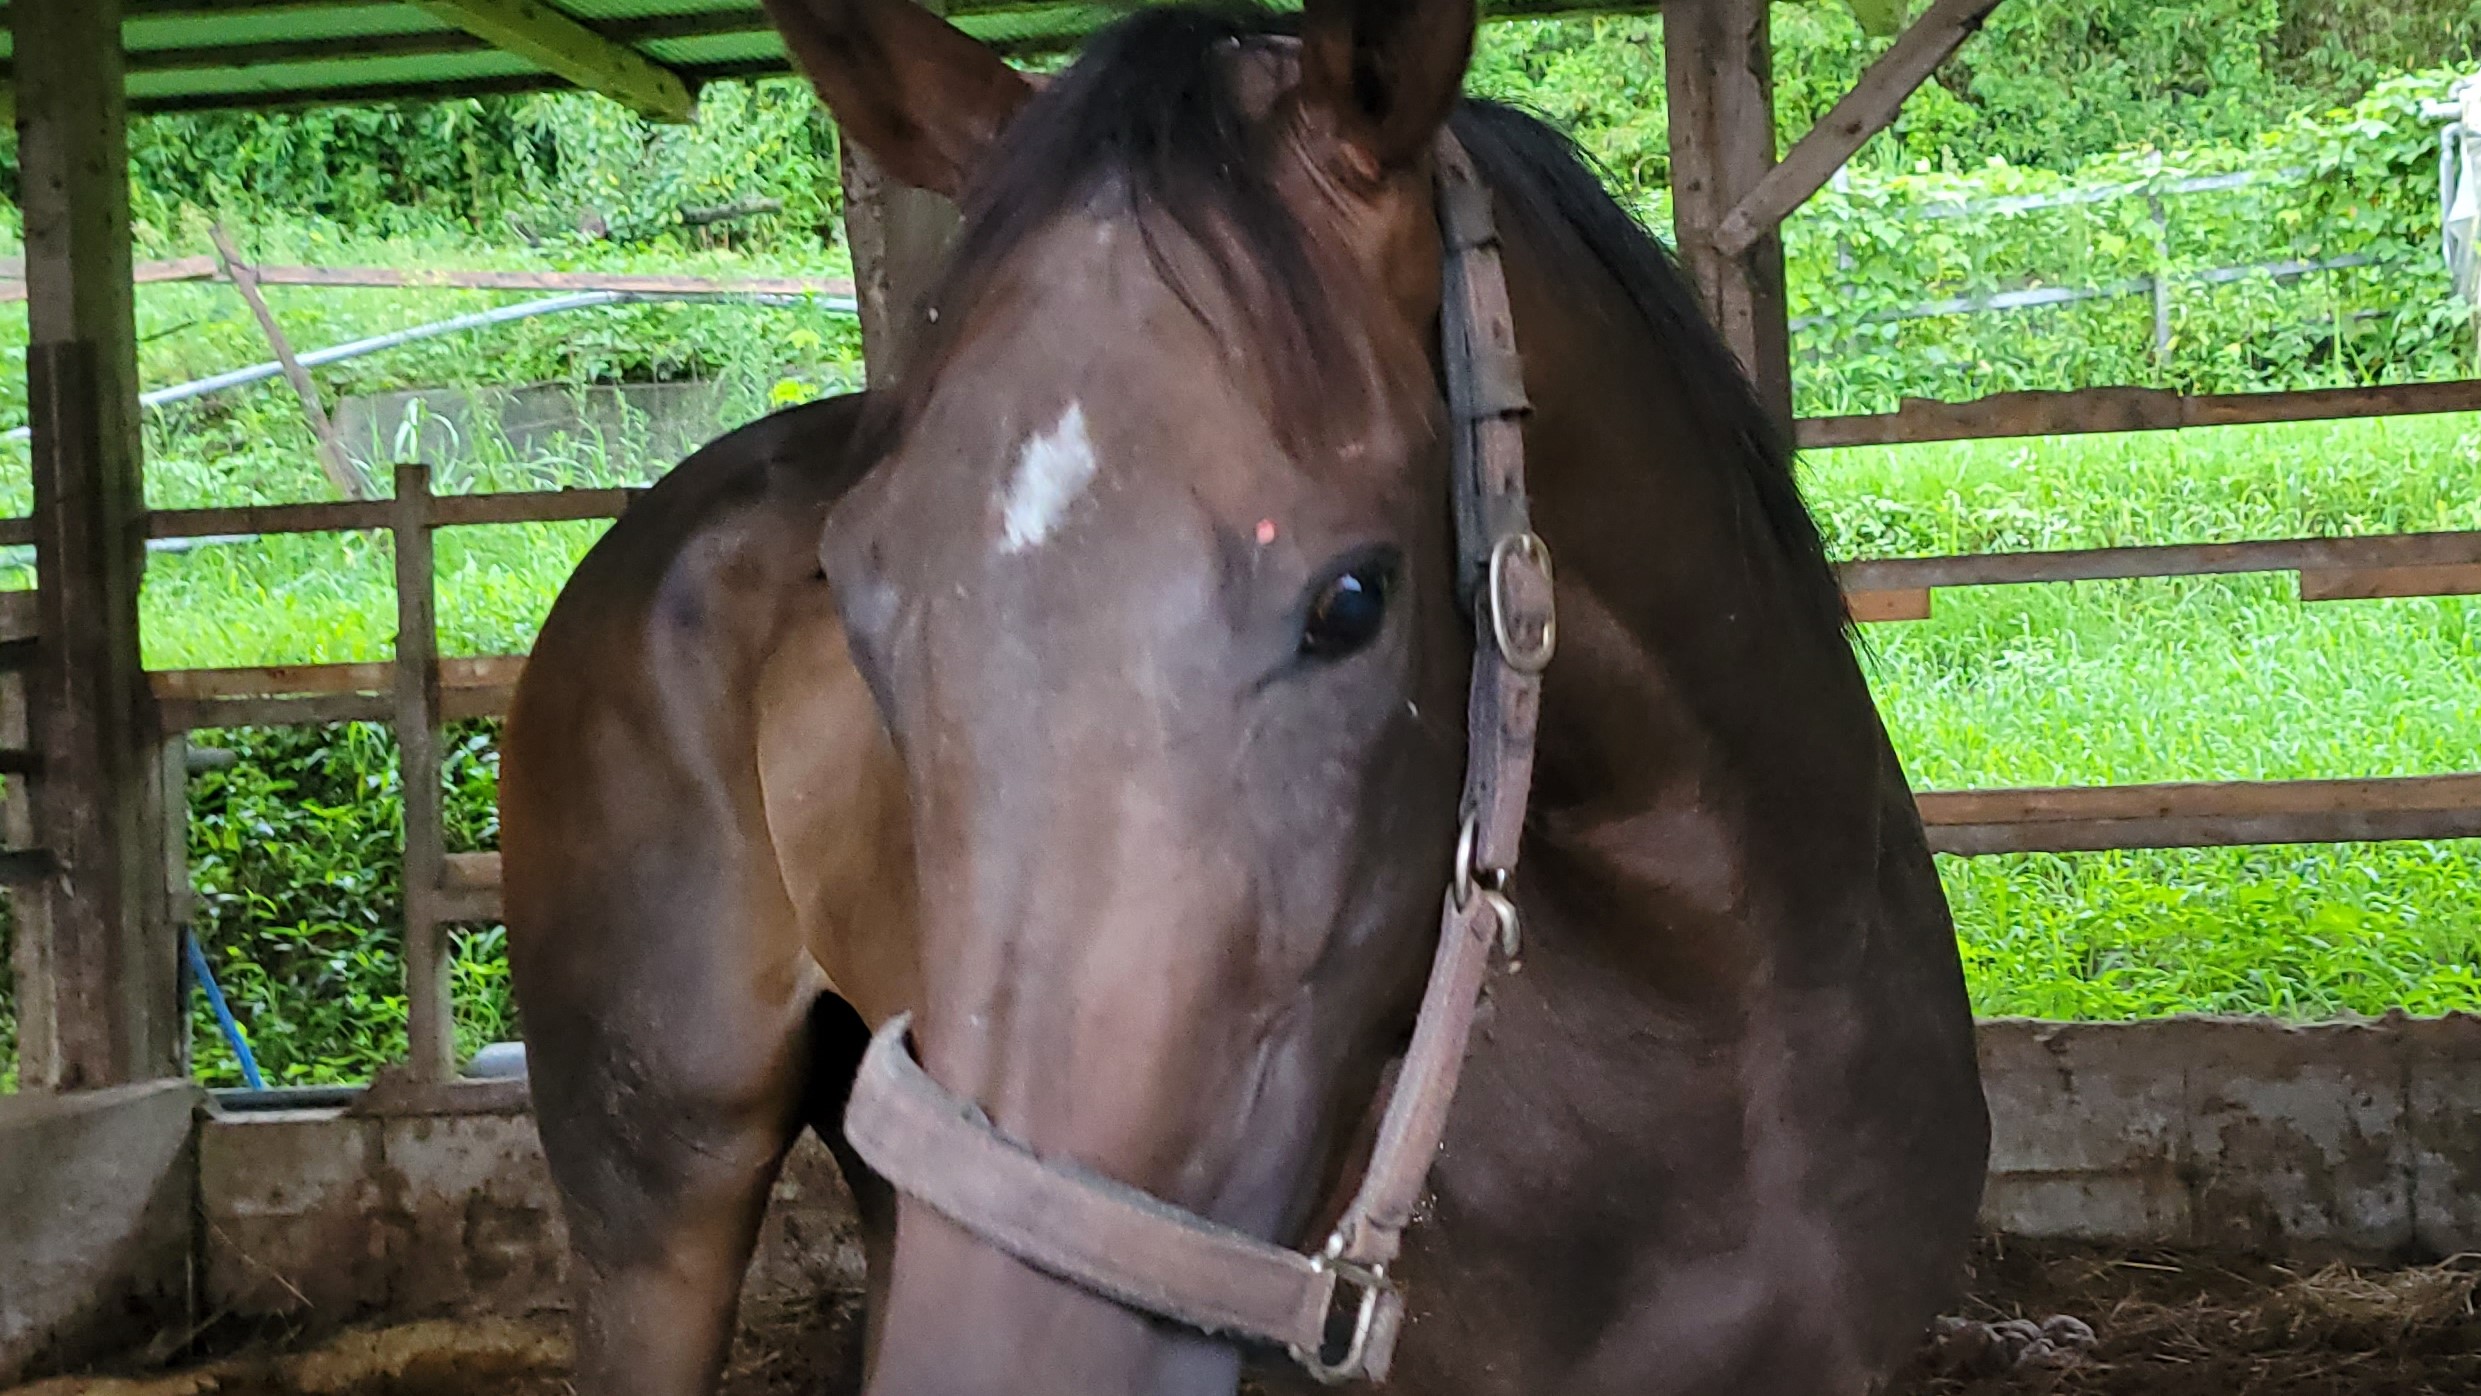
x=1712 y=772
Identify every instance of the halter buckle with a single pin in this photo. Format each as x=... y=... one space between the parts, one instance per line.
x=1524 y=549
x=1367 y=1350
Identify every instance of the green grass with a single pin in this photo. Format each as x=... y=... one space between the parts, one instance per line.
x=2186 y=679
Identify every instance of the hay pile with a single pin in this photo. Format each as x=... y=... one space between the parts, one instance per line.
x=2043 y=1320
x=2189 y=1325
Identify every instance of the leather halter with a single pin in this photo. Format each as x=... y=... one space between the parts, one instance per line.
x=1129 y=1246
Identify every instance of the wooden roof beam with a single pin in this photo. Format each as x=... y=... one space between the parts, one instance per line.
x=552 y=40
x=1870 y=107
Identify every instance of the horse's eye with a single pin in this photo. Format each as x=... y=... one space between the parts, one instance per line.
x=1347 y=614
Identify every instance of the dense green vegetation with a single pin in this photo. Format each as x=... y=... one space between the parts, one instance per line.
x=2214 y=678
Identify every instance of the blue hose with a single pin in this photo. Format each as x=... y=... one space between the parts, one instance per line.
x=223 y=1012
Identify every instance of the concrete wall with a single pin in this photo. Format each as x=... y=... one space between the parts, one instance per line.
x=324 y=1217
x=96 y=1196
x=2346 y=1139
x=642 y=427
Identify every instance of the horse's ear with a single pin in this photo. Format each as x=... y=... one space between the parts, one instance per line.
x=1386 y=72
x=925 y=98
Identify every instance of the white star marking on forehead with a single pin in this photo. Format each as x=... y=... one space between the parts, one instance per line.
x=1053 y=468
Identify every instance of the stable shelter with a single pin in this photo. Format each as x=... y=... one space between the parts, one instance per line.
x=130 y=1204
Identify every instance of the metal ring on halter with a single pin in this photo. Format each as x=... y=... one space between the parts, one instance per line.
x=1523 y=659
x=1468 y=878
x=1374 y=1285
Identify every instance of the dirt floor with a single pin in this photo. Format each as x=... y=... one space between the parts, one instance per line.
x=2042 y=1321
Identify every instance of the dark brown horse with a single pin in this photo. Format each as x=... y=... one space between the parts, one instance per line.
x=1118 y=739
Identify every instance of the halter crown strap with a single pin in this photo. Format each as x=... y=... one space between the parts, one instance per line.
x=1138 y=1250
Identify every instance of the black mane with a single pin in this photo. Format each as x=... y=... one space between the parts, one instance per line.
x=1149 y=113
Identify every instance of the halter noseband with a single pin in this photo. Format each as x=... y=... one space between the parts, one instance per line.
x=1129 y=1246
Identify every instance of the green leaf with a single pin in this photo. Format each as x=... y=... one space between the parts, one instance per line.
x=1880 y=19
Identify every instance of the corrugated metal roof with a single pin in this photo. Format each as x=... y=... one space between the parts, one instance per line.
x=211 y=53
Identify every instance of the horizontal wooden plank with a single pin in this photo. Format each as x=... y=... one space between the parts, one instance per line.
x=541 y=506
x=2201 y=799
x=1908 y=603
x=336 y=516
x=2086 y=410
x=2389 y=551
x=468 y=872
x=13 y=286
x=333 y=516
x=2375 y=583
x=2204 y=831
x=280 y=680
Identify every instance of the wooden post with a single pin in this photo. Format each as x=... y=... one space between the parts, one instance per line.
x=106 y=951
x=430 y=1029
x=897 y=235
x=1720 y=77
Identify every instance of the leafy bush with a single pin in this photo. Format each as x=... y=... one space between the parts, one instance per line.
x=294 y=856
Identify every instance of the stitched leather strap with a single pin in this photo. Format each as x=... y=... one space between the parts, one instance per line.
x=1336 y=1311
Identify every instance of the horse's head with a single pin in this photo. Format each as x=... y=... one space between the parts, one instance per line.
x=1154 y=586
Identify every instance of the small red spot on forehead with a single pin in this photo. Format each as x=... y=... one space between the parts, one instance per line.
x=1266 y=532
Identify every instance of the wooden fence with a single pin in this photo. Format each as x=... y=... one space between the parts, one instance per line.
x=420 y=690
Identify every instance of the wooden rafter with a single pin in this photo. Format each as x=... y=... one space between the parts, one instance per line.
x=1866 y=110
x=552 y=40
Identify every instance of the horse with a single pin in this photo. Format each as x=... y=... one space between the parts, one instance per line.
x=1085 y=712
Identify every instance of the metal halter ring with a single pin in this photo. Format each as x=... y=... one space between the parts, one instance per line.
x=1468 y=879
x=1522 y=658
x=1374 y=1285
x=1490 y=884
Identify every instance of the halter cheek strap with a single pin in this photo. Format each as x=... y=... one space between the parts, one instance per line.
x=1336 y=1310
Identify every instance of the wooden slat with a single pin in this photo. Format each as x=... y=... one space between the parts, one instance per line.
x=2385 y=551
x=342 y=474
x=1909 y=603
x=551 y=40
x=2202 y=815
x=2087 y=410
x=13 y=286
x=340 y=516
x=447 y=511
x=2201 y=799
x=471 y=872
x=539 y=506
x=278 y=680
x=301 y=710
x=2373 y=583
x=1870 y=107
x=470 y=887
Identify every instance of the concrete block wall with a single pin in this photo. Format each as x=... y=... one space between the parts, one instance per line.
x=2349 y=1139
x=2359 y=1139
x=325 y=1217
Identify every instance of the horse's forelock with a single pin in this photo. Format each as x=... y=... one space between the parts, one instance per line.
x=1153 y=116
